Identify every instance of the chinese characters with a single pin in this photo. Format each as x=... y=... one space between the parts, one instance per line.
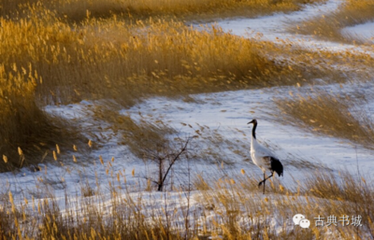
x=343 y=220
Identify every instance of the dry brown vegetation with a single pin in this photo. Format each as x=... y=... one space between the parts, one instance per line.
x=78 y=10
x=45 y=58
x=141 y=137
x=329 y=26
x=27 y=133
x=329 y=114
x=323 y=194
x=65 y=51
x=231 y=207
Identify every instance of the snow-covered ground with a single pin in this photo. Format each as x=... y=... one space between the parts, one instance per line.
x=364 y=32
x=225 y=113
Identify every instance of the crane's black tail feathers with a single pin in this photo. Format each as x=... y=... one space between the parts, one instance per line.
x=276 y=166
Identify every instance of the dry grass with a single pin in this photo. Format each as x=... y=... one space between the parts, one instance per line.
x=27 y=133
x=328 y=114
x=348 y=194
x=126 y=61
x=188 y=10
x=141 y=136
x=48 y=60
x=78 y=10
x=323 y=194
x=329 y=26
x=233 y=209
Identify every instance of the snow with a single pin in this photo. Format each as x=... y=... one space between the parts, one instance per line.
x=273 y=28
x=363 y=32
x=225 y=113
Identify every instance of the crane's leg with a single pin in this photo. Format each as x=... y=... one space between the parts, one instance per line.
x=263 y=181
x=268 y=177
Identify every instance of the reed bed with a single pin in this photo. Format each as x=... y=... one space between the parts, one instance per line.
x=352 y=12
x=230 y=207
x=56 y=52
x=77 y=10
x=47 y=60
x=329 y=114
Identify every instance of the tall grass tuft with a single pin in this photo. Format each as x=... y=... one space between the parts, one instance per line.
x=23 y=125
x=328 y=114
x=329 y=26
x=348 y=194
x=78 y=10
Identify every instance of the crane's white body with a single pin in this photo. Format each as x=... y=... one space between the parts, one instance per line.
x=260 y=155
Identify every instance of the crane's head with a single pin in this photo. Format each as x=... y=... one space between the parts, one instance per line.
x=254 y=121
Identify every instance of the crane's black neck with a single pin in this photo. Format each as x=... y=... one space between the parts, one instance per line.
x=254 y=129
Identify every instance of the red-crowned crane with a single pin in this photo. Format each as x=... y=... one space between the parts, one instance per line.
x=263 y=157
